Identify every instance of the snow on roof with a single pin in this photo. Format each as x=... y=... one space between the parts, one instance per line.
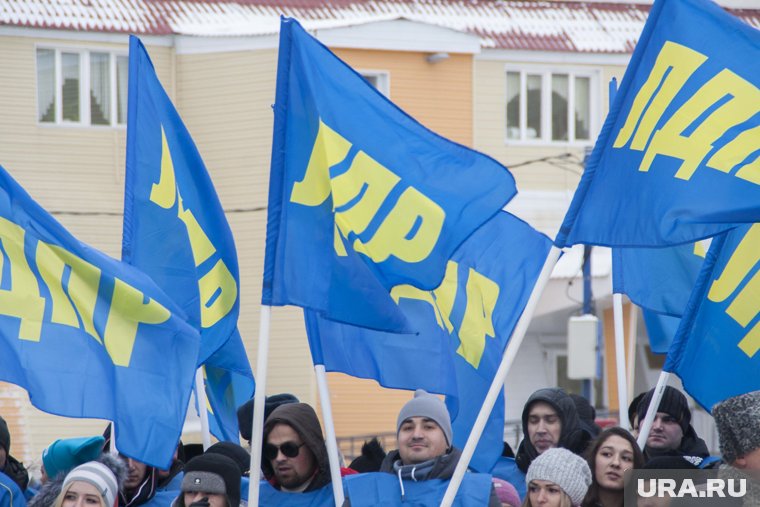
x=504 y=24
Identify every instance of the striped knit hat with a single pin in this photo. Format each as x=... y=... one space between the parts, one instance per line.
x=99 y=476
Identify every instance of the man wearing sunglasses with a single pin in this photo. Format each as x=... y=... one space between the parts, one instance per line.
x=295 y=455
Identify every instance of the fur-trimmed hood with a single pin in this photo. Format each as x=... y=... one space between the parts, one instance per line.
x=51 y=489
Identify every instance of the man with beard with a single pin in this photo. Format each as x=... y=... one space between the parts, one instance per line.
x=294 y=452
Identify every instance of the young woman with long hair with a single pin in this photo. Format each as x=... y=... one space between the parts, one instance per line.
x=614 y=452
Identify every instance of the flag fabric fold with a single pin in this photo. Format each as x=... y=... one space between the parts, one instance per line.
x=460 y=329
x=676 y=159
x=715 y=351
x=362 y=197
x=89 y=336
x=175 y=230
x=660 y=281
x=657 y=279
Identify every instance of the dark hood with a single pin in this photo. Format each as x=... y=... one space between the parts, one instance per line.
x=573 y=436
x=302 y=418
x=16 y=471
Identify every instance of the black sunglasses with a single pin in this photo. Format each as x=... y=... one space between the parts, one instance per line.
x=288 y=449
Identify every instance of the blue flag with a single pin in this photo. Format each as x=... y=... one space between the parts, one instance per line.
x=657 y=279
x=501 y=263
x=89 y=336
x=362 y=197
x=175 y=231
x=460 y=329
x=715 y=351
x=676 y=160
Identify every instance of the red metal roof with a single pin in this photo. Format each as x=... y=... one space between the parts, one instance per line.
x=589 y=27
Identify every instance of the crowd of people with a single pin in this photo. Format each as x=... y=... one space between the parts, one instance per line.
x=564 y=459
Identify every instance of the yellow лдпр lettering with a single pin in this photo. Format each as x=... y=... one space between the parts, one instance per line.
x=82 y=288
x=217 y=287
x=441 y=299
x=411 y=229
x=23 y=299
x=413 y=212
x=164 y=193
x=127 y=311
x=674 y=65
x=77 y=299
x=367 y=181
x=692 y=149
x=746 y=305
x=329 y=149
x=482 y=295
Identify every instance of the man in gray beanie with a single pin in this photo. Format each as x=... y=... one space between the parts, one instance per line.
x=424 y=438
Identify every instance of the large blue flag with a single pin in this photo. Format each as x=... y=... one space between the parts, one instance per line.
x=362 y=197
x=460 y=329
x=89 y=336
x=175 y=230
x=676 y=160
x=715 y=352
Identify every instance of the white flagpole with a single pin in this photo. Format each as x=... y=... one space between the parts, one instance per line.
x=500 y=377
x=330 y=439
x=645 y=426
x=622 y=384
x=259 y=399
x=632 y=339
x=113 y=439
x=200 y=399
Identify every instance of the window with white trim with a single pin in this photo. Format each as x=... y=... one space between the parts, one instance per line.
x=550 y=106
x=81 y=87
x=379 y=79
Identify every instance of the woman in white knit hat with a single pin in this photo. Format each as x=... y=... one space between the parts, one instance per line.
x=92 y=484
x=557 y=478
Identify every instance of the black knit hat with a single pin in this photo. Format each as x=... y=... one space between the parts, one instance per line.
x=245 y=411
x=673 y=403
x=239 y=455
x=634 y=407
x=5 y=436
x=212 y=473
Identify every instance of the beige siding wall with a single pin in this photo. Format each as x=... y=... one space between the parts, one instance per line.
x=489 y=113
x=438 y=95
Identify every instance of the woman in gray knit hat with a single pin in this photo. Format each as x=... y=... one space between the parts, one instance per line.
x=557 y=478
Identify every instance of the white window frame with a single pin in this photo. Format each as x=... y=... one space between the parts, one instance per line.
x=383 y=79
x=546 y=73
x=84 y=85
